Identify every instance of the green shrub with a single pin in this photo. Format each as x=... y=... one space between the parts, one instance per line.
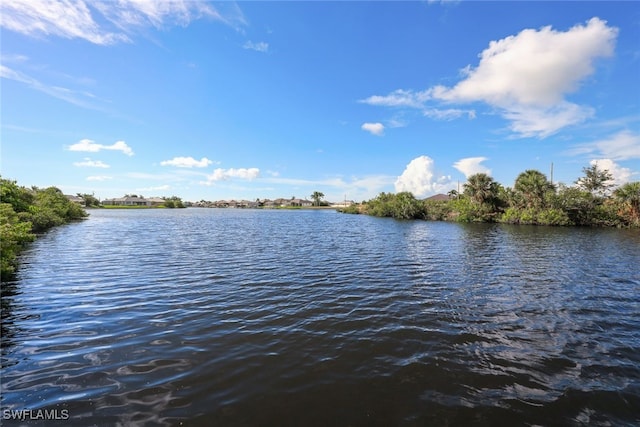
x=15 y=233
x=553 y=217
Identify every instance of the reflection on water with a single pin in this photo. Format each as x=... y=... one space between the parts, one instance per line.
x=234 y=317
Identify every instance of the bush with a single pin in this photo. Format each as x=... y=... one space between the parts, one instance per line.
x=553 y=217
x=15 y=233
x=436 y=210
x=352 y=209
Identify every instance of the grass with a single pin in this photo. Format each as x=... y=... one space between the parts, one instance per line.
x=131 y=207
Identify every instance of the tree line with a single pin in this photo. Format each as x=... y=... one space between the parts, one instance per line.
x=532 y=200
x=25 y=212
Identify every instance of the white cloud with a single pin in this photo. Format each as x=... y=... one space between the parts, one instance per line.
x=532 y=72
x=90 y=146
x=543 y=122
x=622 y=146
x=420 y=178
x=534 y=67
x=99 y=178
x=259 y=46
x=472 y=165
x=225 y=174
x=64 y=18
x=621 y=175
x=448 y=113
x=79 y=98
x=373 y=128
x=87 y=162
x=399 y=98
x=77 y=18
x=187 y=162
x=525 y=77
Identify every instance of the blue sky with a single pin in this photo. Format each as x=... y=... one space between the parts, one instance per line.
x=247 y=100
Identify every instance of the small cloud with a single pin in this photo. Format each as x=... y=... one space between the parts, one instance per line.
x=187 y=162
x=471 y=166
x=99 y=178
x=90 y=146
x=399 y=98
x=373 y=128
x=448 y=113
x=88 y=163
x=226 y=174
x=420 y=178
x=258 y=47
x=624 y=145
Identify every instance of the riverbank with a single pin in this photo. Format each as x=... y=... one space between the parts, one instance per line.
x=26 y=212
x=565 y=206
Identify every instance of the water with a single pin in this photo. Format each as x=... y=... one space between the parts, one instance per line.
x=290 y=318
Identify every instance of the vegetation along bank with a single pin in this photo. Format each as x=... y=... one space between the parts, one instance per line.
x=532 y=200
x=25 y=212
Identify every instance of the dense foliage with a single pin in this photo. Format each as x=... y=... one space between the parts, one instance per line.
x=173 y=202
x=26 y=211
x=532 y=200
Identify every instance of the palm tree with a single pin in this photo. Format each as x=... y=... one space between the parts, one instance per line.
x=317 y=196
x=532 y=185
x=629 y=196
x=481 y=188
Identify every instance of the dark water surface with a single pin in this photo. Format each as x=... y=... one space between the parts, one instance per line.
x=298 y=318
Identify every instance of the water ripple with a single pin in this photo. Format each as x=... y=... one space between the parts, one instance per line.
x=234 y=317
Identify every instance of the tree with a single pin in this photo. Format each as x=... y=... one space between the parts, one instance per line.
x=532 y=187
x=18 y=197
x=317 y=197
x=481 y=189
x=596 y=181
x=89 y=200
x=173 y=202
x=51 y=208
x=405 y=206
x=629 y=197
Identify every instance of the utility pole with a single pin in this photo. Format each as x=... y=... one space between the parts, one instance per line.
x=551 y=173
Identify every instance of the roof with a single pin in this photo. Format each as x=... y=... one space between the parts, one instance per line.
x=438 y=197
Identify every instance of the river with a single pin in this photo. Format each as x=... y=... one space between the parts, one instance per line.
x=231 y=317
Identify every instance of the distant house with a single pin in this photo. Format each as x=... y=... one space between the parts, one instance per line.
x=156 y=201
x=343 y=204
x=75 y=199
x=300 y=202
x=127 y=201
